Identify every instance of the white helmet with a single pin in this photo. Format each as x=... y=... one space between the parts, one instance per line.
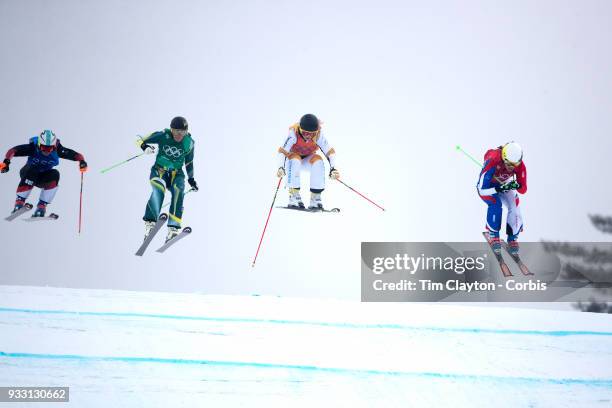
x=47 y=141
x=512 y=153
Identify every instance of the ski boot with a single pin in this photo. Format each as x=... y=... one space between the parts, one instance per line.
x=19 y=203
x=513 y=246
x=148 y=227
x=172 y=232
x=315 y=201
x=41 y=209
x=495 y=242
x=295 y=200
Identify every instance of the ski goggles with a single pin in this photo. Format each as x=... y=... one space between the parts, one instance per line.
x=308 y=134
x=510 y=164
x=180 y=132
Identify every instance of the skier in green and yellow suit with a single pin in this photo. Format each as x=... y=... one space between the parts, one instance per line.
x=175 y=150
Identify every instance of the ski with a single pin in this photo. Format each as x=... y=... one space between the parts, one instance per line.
x=160 y=222
x=333 y=210
x=50 y=217
x=310 y=210
x=185 y=232
x=22 y=210
x=502 y=264
x=516 y=258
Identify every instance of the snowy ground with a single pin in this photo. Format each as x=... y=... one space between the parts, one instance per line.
x=128 y=349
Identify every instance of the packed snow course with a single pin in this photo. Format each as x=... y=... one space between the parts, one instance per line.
x=118 y=348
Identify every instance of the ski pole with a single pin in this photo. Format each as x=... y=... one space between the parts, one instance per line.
x=268 y=219
x=121 y=163
x=351 y=188
x=466 y=154
x=186 y=192
x=355 y=191
x=81 y=204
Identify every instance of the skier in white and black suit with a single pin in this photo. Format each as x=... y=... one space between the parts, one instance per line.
x=299 y=152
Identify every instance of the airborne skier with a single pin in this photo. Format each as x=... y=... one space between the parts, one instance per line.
x=299 y=153
x=43 y=153
x=503 y=176
x=175 y=150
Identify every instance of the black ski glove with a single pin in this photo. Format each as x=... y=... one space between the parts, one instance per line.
x=5 y=168
x=82 y=166
x=193 y=184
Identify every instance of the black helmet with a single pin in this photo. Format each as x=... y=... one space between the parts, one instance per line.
x=179 y=123
x=309 y=123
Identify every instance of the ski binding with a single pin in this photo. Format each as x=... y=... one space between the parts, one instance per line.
x=184 y=233
x=502 y=264
x=516 y=258
x=50 y=217
x=145 y=244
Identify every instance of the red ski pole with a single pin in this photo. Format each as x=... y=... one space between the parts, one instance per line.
x=81 y=204
x=352 y=189
x=268 y=219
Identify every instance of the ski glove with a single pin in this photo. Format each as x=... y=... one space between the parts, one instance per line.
x=334 y=174
x=513 y=185
x=83 y=166
x=4 y=166
x=280 y=173
x=193 y=184
x=147 y=148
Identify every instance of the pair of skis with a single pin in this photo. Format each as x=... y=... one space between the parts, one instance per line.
x=502 y=263
x=27 y=207
x=160 y=222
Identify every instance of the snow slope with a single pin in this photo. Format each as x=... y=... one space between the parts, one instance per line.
x=117 y=348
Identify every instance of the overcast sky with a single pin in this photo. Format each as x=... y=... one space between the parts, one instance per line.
x=398 y=84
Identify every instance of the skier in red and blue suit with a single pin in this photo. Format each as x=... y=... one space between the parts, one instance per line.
x=503 y=176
